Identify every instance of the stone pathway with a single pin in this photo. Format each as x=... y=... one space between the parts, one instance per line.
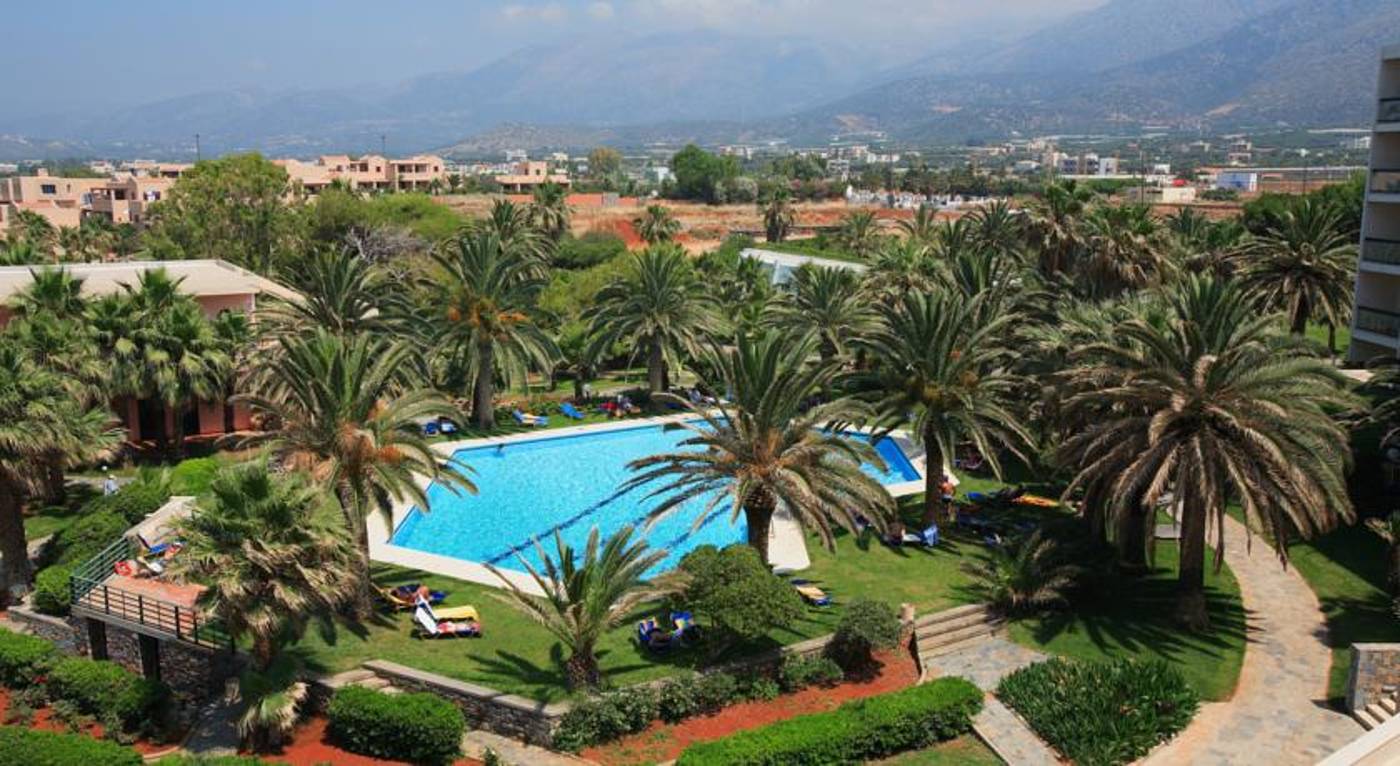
x=1279 y=707
x=984 y=665
x=514 y=752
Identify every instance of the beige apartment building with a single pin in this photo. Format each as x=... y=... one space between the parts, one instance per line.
x=1375 y=323
x=528 y=175
x=58 y=200
x=369 y=172
x=127 y=200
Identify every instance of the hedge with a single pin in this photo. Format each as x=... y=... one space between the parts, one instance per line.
x=605 y=718
x=1101 y=714
x=107 y=690
x=421 y=728
x=32 y=747
x=23 y=658
x=216 y=760
x=52 y=592
x=875 y=727
x=86 y=538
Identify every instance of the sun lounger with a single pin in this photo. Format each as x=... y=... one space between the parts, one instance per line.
x=430 y=428
x=570 y=411
x=684 y=623
x=406 y=596
x=447 y=426
x=160 y=549
x=1036 y=501
x=811 y=593
x=427 y=627
x=526 y=419
x=449 y=613
x=927 y=538
x=651 y=636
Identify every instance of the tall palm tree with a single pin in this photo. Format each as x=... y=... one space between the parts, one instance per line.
x=1000 y=229
x=482 y=298
x=338 y=291
x=658 y=305
x=586 y=596
x=514 y=226
x=577 y=356
x=656 y=225
x=778 y=215
x=1054 y=230
x=944 y=361
x=347 y=410
x=550 y=210
x=1121 y=250
x=766 y=449
x=1215 y=408
x=901 y=267
x=829 y=303
x=1302 y=266
x=180 y=361
x=923 y=227
x=859 y=234
x=29 y=226
x=51 y=290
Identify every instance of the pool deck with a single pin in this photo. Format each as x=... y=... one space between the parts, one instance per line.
x=787 y=548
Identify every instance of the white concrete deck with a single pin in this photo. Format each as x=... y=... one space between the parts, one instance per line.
x=787 y=546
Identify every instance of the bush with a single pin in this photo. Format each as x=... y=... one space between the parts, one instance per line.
x=693 y=695
x=857 y=731
x=865 y=627
x=1099 y=714
x=215 y=760
x=87 y=537
x=735 y=592
x=606 y=718
x=52 y=595
x=587 y=251
x=32 y=747
x=800 y=672
x=23 y=658
x=138 y=499
x=421 y=728
x=192 y=477
x=762 y=688
x=109 y=691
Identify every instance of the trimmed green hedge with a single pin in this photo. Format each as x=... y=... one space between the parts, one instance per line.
x=421 y=728
x=23 y=658
x=86 y=538
x=31 y=747
x=108 y=691
x=606 y=718
x=52 y=593
x=857 y=731
x=216 y=760
x=1101 y=713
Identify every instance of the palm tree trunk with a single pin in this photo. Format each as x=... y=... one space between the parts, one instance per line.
x=55 y=484
x=578 y=387
x=933 y=480
x=758 y=516
x=1331 y=339
x=14 y=548
x=1300 y=319
x=178 y=427
x=363 y=603
x=1191 y=575
x=1132 y=539
x=656 y=366
x=482 y=406
x=581 y=670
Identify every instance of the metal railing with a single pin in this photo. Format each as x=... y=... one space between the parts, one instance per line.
x=1378 y=321
x=1381 y=251
x=92 y=592
x=1389 y=110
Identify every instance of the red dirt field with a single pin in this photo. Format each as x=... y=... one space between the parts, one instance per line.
x=310 y=746
x=44 y=721
x=663 y=742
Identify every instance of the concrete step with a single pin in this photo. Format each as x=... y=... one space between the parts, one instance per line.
x=376 y=683
x=928 y=655
x=1390 y=705
x=349 y=677
x=956 y=635
x=1377 y=712
x=955 y=613
x=1367 y=722
x=947 y=626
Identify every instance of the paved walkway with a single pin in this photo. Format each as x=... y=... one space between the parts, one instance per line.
x=1279 y=707
x=984 y=665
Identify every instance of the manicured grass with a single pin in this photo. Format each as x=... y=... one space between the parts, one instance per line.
x=1318 y=333
x=1134 y=618
x=966 y=750
x=1346 y=569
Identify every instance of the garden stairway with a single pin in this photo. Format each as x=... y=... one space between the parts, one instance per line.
x=1378 y=712
x=951 y=630
x=362 y=677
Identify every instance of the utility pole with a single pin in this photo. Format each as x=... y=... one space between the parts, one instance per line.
x=196 y=148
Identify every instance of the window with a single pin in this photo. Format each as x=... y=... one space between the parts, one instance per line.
x=48 y=188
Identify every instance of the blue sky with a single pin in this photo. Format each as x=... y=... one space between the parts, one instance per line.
x=76 y=54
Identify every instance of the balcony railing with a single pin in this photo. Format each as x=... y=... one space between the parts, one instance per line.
x=1385 y=181
x=93 y=592
x=1381 y=251
x=1378 y=321
x=1389 y=110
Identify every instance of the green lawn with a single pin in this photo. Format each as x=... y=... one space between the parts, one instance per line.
x=52 y=519
x=1318 y=333
x=966 y=750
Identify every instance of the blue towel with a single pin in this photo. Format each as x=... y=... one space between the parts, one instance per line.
x=570 y=411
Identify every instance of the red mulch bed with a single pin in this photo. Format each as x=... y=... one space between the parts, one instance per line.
x=311 y=746
x=663 y=742
x=44 y=720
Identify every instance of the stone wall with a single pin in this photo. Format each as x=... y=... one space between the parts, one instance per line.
x=505 y=714
x=63 y=633
x=1375 y=672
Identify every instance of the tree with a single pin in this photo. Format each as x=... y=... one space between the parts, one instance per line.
x=658 y=306
x=482 y=299
x=865 y=627
x=347 y=411
x=699 y=173
x=901 y=267
x=604 y=162
x=35 y=230
x=586 y=596
x=550 y=210
x=656 y=225
x=1303 y=266
x=1121 y=250
x=339 y=292
x=514 y=225
x=859 y=234
x=1214 y=407
x=923 y=227
x=943 y=358
x=778 y=216
x=767 y=449
x=577 y=356
x=737 y=594
x=829 y=303
x=1027 y=574
x=1054 y=227
x=233 y=208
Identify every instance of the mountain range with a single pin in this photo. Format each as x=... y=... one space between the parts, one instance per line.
x=1126 y=64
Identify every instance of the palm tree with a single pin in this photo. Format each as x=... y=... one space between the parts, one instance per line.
x=923 y=227
x=1054 y=227
x=656 y=225
x=347 y=410
x=482 y=299
x=778 y=216
x=901 y=267
x=1000 y=229
x=1202 y=245
x=859 y=234
x=658 y=305
x=1214 y=407
x=338 y=291
x=180 y=361
x=1025 y=575
x=51 y=290
x=1121 y=250
x=828 y=302
x=1303 y=266
x=584 y=597
x=577 y=356
x=514 y=226
x=29 y=226
x=273 y=556
x=550 y=210
x=38 y=417
x=944 y=373
x=766 y=449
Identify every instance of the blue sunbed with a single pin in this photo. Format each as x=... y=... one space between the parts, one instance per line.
x=570 y=411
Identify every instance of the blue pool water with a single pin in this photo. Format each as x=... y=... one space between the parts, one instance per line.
x=527 y=490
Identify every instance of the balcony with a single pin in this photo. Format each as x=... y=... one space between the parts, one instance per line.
x=1388 y=111
x=1378 y=321
x=1385 y=181
x=1385 y=251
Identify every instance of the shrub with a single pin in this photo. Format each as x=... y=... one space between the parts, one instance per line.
x=421 y=728
x=1101 y=713
x=192 y=477
x=109 y=691
x=591 y=249
x=23 y=658
x=800 y=672
x=605 y=718
x=762 y=688
x=215 y=760
x=865 y=627
x=857 y=731
x=51 y=592
x=138 y=499
x=693 y=695
x=87 y=537
x=46 y=748
x=735 y=592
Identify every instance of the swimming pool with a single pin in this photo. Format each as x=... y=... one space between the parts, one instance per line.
x=528 y=489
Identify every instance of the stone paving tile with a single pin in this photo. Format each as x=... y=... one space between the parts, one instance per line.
x=1278 y=713
x=984 y=664
x=1010 y=738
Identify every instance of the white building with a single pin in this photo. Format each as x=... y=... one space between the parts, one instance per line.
x=1237 y=180
x=1375 y=324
